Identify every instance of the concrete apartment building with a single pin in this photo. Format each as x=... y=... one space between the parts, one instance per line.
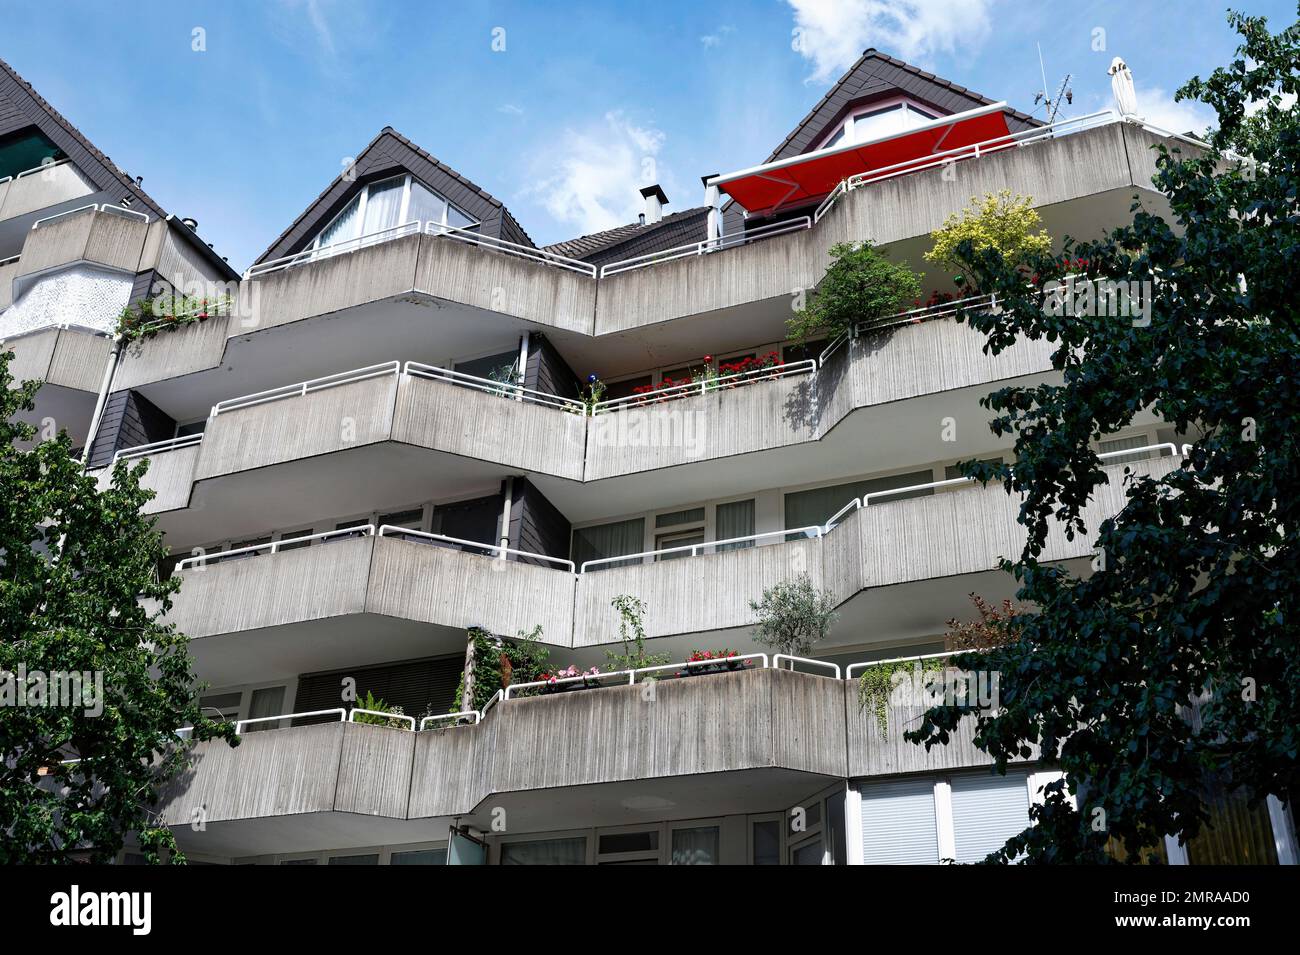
x=349 y=484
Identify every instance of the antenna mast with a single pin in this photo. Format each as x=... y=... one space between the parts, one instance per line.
x=1063 y=93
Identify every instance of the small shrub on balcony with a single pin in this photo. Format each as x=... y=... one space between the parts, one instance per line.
x=499 y=662
x=1003 y=222
x=631 y=630
x=860 y=286
x=793 y=616
x=372 y=702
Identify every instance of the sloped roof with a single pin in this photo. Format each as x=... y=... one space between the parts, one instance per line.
x=677 y=228
x=388 y=152
x=21 y=106
x=879 y=75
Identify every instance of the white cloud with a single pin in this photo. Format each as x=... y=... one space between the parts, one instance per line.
x=510 y=109
x=1158 y=108
x=831 y=34
x=711 y=40
x=590 y=179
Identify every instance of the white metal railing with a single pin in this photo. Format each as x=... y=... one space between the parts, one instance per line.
x=475 y=715
x=106 y=207
x=628 y=677
x=694 y=549
x=500 y=388
x=848 y=671
x=157 y=447
x=306 y=387
x=704 y=386
x=824 y=664
x=708 y=245
x=393 y=530
x=216 y=557
x=338 y=711
x=41 y=168
x=835 y=518
x=401 y=717
x=471 y=237
x=366 y=241
x=950 y=482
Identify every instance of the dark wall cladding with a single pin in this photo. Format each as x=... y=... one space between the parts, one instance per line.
x=419 y=687
x=129 y=420
x=547 y=370
x=536 y=525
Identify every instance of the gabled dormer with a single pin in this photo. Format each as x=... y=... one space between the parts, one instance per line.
x=878 y=97
x=392 y=183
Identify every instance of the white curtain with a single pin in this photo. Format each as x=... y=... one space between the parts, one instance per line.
x=545 y=852
x=342 y=228
x=735 y=520
x=383 y=205
x=695 y=846
x=609 y=540
x=268 y=701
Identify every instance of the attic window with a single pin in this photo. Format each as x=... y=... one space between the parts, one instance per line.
x=877 y=120
x=26 y=150
x=386 y=204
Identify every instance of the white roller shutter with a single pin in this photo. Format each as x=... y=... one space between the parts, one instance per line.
x=898 y=824
x=986 y=811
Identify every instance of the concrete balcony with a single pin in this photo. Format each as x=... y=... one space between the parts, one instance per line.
x=390 y=293
x=338 y=600
x=377 y=434
x=72 y=358
x=1079 y=183
x=42 y=188
x=71 y=362
x=113 y=240
x=372 y=434
x=750 y=741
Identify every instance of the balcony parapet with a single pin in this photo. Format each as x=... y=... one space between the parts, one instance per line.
x=713 y=724
x=104 y=235
x=67 y=356
x=41 y=188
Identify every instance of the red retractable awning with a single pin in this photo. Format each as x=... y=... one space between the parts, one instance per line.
x=813 y=176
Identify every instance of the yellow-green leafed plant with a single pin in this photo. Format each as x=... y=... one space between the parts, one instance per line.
x=1002 y=221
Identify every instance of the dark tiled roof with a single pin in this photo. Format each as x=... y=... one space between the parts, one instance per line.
x=879 y=74
x=21 y=106
x=391 y=150
x=626 y=241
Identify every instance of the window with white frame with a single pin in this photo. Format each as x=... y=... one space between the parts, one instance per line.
x=386 y=204
x=877 y=121
x=925 y=820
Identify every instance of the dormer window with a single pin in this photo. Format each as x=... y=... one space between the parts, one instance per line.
x=877 y=121
x=386 y=204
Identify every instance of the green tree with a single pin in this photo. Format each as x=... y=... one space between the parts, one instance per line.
x=1010 y=224
x=79 y=594
x=860 y=285
x=793 y=616
x=1197 y=593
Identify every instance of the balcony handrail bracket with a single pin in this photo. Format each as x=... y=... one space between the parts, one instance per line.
x=824 y=664
x=105 y=207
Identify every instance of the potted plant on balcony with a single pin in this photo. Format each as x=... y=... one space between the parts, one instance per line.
x=714 y=661
x=372 y=702
x=793 y=616
x=999 y=221
x=860 y=286
x=554 y=679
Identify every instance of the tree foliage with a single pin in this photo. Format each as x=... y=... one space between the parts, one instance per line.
x=793 y=616
x=1007 y=223
x=1195 y=596
x=79 y=594
x=860 y=285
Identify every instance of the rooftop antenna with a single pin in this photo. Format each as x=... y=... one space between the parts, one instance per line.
x=1064 y=93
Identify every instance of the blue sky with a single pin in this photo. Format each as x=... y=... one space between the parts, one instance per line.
x=585 y=103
